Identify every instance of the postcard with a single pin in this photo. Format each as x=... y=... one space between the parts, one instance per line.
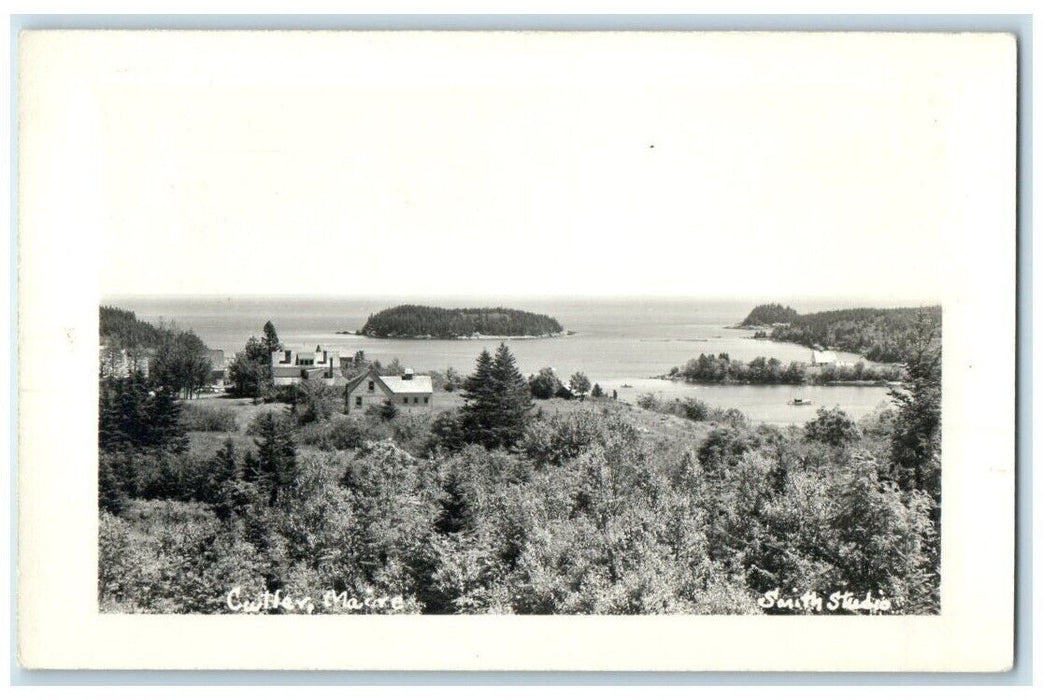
x=516 y=350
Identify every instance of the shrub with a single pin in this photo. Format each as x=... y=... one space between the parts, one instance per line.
x=724 y=447
x=728 y=416
x=168 y=557
x=208 y=418
x=555 y=441
x=691 y=409
x=257 y=424
x=386 y=411
x=340 y=433
x=314 y=400
x=832 y=427
x=446 y=432
x=649 y=402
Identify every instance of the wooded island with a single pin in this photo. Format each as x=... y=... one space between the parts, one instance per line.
x=413 y=321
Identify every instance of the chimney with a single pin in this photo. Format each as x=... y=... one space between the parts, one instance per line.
x=407 y=373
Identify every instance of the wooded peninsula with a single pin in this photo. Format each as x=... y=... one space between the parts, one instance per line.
x=414 y=321
x=879 y=335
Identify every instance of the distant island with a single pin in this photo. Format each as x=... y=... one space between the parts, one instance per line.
x=768 y=315
x=414 y=321
x=879 y=335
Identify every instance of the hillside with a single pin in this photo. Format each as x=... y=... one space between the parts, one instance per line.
x=412 y=321
x=124 y=330
x=768 y=314
x=880 y=335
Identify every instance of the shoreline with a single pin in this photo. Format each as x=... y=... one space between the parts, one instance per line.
x=564 y=334
x=849 y=383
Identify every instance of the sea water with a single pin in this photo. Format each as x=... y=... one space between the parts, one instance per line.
x=619 y=343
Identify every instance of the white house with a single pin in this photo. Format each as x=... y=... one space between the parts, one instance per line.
x=293 y=367
x=408 y=392
x=823 y=358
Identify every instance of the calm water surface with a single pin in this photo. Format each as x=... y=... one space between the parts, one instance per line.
x=616 y=342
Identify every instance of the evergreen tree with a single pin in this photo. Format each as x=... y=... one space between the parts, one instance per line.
x=455 y=513
x=916 y=440
x=512 y=397
x=224 y=483
x=167 y=429
x=276 y=464
x=497 y=401
x=111 y=497
x=131 y=415
x=480 y=404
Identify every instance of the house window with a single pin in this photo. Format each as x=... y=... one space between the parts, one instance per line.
x=358 y=401
x=425 y=399
x=371 y=386
x=405 y=399
x=416 y=399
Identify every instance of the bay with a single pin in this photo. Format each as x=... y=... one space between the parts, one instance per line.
x=619 y=343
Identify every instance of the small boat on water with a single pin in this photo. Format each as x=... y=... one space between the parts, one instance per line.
x=799 y=401
x=626 y=386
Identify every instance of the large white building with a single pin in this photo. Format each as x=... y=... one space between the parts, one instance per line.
x=293 y=367
x=407 y=392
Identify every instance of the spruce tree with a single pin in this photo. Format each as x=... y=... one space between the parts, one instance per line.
x=276 y=465
x=477 y=415
x=512 y=398
x=166 y=427
x=133 y=416
x=223 y=487
x=271 y=345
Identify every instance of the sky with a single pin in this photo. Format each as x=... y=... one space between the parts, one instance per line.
x=778 y=166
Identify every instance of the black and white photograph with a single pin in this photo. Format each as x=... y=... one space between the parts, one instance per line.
x=504 y=325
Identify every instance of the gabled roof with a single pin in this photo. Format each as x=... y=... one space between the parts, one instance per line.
x=419 y=384
x=352 y=383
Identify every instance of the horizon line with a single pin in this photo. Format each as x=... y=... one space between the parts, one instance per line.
x=763 y=299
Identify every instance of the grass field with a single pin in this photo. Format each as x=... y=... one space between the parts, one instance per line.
x=205 y=444
x=653 y=424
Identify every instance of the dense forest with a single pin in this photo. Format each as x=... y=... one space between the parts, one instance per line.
x=411 y=321
x=498 y=506
x=880 y=335
x=175 y=359
x=123 y=329
x=768 y=314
